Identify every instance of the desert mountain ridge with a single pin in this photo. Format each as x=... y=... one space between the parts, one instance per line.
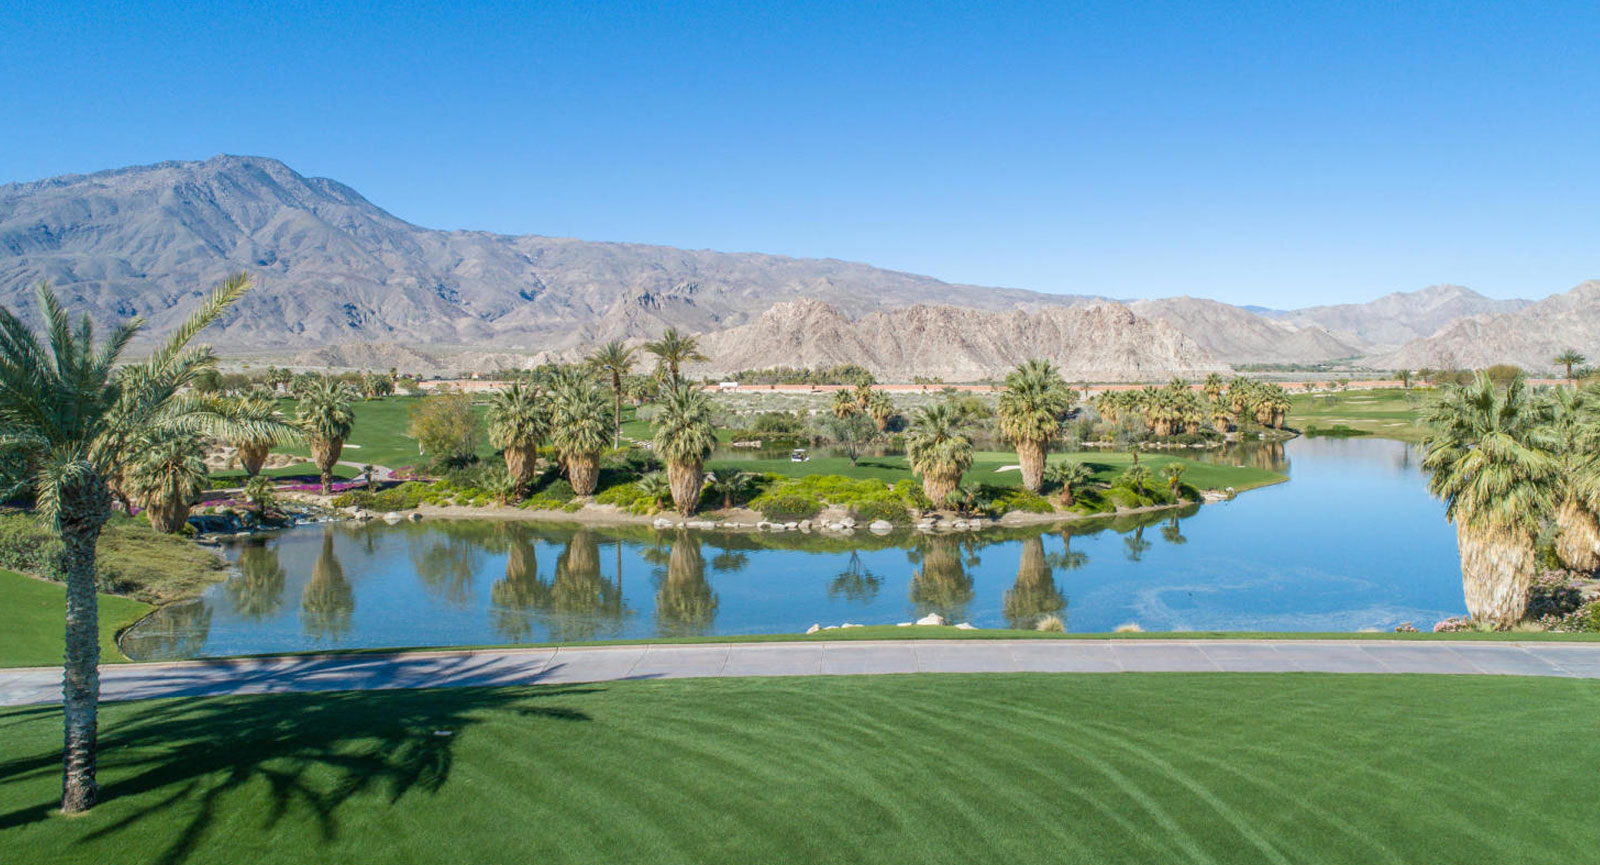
x=341 y=282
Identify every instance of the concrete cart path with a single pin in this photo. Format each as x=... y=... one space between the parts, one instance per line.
x=358 y=672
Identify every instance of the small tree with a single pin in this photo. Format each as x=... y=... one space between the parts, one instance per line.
x=445 y=427
x=730 y=484
x=850 y=434
x=1071 y=476
x=1569 y=358
x=1172 y=473
x=168 y=477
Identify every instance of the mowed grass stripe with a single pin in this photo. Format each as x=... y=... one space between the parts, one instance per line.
x=1225 y=768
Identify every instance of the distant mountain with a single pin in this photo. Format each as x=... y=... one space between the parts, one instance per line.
x=332 y=267
x=1395 y=319
x=1239 y=336
x=1098 y=342
x=1528 y=337
x=341 y=282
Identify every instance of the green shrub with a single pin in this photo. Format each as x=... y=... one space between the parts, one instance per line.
x=869 y=511
x=1019 y=500
x=405 y=497
x=629 y=497
x=787 y=508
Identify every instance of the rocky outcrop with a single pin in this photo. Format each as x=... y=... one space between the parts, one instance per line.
x=1529 y=337
x=1395 y=319
x=1240 y=336
x=1098 y=341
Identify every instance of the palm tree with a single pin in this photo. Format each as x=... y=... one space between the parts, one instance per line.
x=1212 y=388
x=1071 y=475
x=844 y=404
x=881 y=408
x=1492 y=461
x=1569 y=358
x=578 y=429
x=326 y=418
x=863 y=395
x=684 y=437
x=1172 y=473
x=168 y=477
x=1136 y=478
x=730 y=484
x=1575 y=421
x=673 y=350
x=1030 y=412
x=250 y=410
x=68 y=412
x=939 y=449
x=615 y=358
x=517 y=423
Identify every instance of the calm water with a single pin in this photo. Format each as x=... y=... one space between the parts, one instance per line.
x=1352 y=541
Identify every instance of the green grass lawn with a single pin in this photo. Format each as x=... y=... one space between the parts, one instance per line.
x=379 y=436
x=1389 y=413
x=1106 y=467
x=1133 y=768
x=33 y=621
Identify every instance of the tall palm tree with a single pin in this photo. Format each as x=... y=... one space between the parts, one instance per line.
x=939 y=449
x=326 y=418
x=863 y=394
x=1492 y=460
x=684 y=437
x=1575 y=422
x=69 y=412
x=673 y=350
x=168 y=477
x=1030 y=411
x=578 y=429
x=1212 y=388
x=518 y=422
x=1569 y=358
x=615 y=359
x=1072 y=476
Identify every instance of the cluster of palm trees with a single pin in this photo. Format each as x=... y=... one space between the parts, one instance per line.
x=863 y=400
x=1178 y=408
x=1512 y=464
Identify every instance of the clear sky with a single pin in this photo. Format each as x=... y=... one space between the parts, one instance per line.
x=1276 y=153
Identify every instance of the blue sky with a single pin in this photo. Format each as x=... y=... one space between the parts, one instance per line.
x=1275 y=153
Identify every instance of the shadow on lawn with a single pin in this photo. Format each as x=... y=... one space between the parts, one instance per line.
x=182 y=758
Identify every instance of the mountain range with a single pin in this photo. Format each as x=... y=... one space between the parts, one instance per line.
x=342 y=282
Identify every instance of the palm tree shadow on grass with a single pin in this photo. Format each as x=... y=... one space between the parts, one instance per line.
x=314 y=751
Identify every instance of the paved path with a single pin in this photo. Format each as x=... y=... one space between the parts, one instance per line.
x=611 y=663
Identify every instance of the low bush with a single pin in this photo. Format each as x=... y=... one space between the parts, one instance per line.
x=1013 y=499
x=1337 y=431
x=629 y=497
x=405 y=497
x=871 y=511
x=785 y=508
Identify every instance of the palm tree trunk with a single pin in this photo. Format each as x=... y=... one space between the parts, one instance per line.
x=686 y=479
x=1578 y=538
x=583 y=472
x=519 y=465
x=1497 y=569
x=1031 y=454
x=937 y=486
x=167 y=517
x=84 y=508
x=252 y=457
x=325 y=453
x=616 y=416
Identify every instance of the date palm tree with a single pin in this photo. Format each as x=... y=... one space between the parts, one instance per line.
x=684 y=437
x=254 y=409
x=578 y=429
x=1071 y=475
x=518 y=423
x=615 y=359
x=673 y=350
x=71 y=414
x=1030 y=411
x=168 y=477
x=1569 y=358
x=939 y=449
x=1492 y=460
x=326 y=418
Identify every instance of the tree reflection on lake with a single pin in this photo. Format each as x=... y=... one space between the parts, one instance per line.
x=328 y=601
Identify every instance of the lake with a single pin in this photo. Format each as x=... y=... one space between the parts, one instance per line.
x=1352 y=541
